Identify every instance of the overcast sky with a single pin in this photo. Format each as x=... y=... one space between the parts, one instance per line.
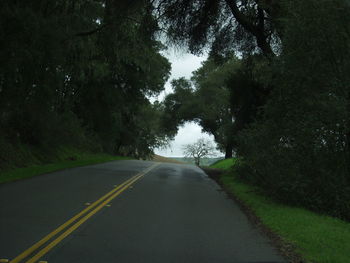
x=182 y=66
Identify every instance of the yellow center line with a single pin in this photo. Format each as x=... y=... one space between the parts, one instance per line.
x=112 y=194
x=63 y=226
x=77 y=224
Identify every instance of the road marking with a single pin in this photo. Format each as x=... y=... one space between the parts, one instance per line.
x=60 y=228
x=107 y=197
x=82 y=220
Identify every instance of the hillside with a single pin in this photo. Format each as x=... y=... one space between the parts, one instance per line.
x=204 y=161
x=163 y=159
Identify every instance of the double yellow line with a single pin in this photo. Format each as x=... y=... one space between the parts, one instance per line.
x=95 y=207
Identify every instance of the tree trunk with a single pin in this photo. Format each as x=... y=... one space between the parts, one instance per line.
x=347 y=139
x=348 y=148
x=228 y=151
x=197 y=161
x=258 y=30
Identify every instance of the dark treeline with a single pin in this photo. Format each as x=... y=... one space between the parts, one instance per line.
x=77 y=73
x=274 y=91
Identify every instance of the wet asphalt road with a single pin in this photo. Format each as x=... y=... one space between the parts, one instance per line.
x=175 y=213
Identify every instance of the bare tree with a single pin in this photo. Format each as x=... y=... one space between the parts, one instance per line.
x=201 y=148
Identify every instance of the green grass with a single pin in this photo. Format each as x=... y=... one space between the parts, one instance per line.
x=317 y=238
x=68 y=158
x=224 y=164
x=205 y=161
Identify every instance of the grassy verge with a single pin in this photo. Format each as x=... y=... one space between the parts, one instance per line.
x=316 y=238
x=224 y=164
x=68 y=159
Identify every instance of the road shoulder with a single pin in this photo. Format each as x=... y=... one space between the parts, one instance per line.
x=287 y=249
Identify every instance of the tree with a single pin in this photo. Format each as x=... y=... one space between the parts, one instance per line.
x=223 y=25
x=201 y=148
x=298 y=152
x=222 y=97
x=228 y=96
x=81 y=72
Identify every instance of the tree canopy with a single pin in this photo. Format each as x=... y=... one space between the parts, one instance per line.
x=79 y=73
x=223 y=25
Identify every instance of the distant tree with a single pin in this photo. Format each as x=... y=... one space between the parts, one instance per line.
x=228 y=96
x=222 y=97
x=201 y=148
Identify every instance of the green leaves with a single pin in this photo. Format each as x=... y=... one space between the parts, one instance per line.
x=298 y=151
x=89 y=64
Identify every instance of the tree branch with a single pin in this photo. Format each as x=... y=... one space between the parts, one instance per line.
x=241 y=18
x=87 y=33
x=256 y=30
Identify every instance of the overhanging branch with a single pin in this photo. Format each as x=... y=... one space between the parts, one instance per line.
x=87 y=33
x=256 y=30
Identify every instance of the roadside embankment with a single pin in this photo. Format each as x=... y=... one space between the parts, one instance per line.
x=162 y=159
x=299 y=234
x=64 y=158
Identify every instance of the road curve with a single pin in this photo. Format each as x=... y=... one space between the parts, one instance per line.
x=167 y=213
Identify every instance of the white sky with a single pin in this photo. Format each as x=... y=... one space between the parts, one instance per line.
x=182 y=66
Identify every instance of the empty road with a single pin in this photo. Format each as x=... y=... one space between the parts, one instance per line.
x=127 y=212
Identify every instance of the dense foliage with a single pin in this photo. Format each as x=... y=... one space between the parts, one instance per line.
x=288 y=97
x=299 y=150
x=78 y=73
